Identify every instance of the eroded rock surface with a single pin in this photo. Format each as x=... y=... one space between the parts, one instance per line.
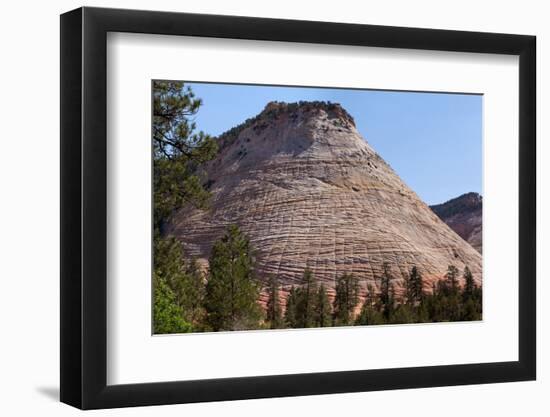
x=309 y=191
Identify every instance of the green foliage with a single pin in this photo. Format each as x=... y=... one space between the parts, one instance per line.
x=305 y=301
x=231 y=290
x=190 y=292
x=385 y=284
x=447 y=302
x=451 y=279
x=177 y=150
x=184 y=279
x=175 y=183
x=308 y=305
x=470 y=312
x=402 y=314
x=274 y=315
x=369 y=314
x=167 y=315
x=469 y=283
x=323 y=309
x=471 y=297
x=345 y=300
x=174 y=134
x=387 y=292
x=414 y=291
x=291 y=307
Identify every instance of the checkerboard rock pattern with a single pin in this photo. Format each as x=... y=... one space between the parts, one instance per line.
x=309 y=191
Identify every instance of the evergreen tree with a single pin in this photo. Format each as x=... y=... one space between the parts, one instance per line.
x=414 y=287
x=403 y=314
x=290 y=309
x=451 y=278
x=446 y=303
x=469 y=283
x=477 y=298
x=385 y=284
x=471 y=297
x=273 y=314
x=184 y=279
x=306 y=298
x=386 y=296
x=345 y=300
x=453 y=304
x=231 y=291
x=422 y=312
x=389 y=308
x=369 y=315
x=323 y=310
x=177 y=150
x=192 y=293
x=167 y=315
x=441 y=300
x=470 y=312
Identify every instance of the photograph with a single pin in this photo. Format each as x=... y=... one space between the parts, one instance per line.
x=292 y=207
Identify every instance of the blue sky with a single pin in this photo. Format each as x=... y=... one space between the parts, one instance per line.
x=432 y=140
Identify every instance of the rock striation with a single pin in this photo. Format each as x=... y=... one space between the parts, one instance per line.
x=463 y=214
x=309 y=191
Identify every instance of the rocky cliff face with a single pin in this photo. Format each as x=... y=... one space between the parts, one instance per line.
x=309 y=191
x=464 y=215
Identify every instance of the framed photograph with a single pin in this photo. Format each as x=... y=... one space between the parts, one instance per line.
x=257 y=208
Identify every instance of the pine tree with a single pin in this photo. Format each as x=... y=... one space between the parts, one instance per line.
x=469 y=283
x=323 y=310
x=469 y=313
x=177 y=150
x=471 y=297
x=389 y=308
x=345 y=300
x=273 y=314
x=386 y=296
x=194 y=290
x=403 y=314
x=453 y=304
x=290 y=309
x=385 y=284
x=369 y=315
x=446 y=302
x=306 y=298
x=231 y=290
x=414 y=287
x=451 y=278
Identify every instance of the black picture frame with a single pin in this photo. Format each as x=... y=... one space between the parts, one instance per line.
x=84 y=207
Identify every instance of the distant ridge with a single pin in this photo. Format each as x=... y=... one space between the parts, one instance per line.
x=463 y=214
